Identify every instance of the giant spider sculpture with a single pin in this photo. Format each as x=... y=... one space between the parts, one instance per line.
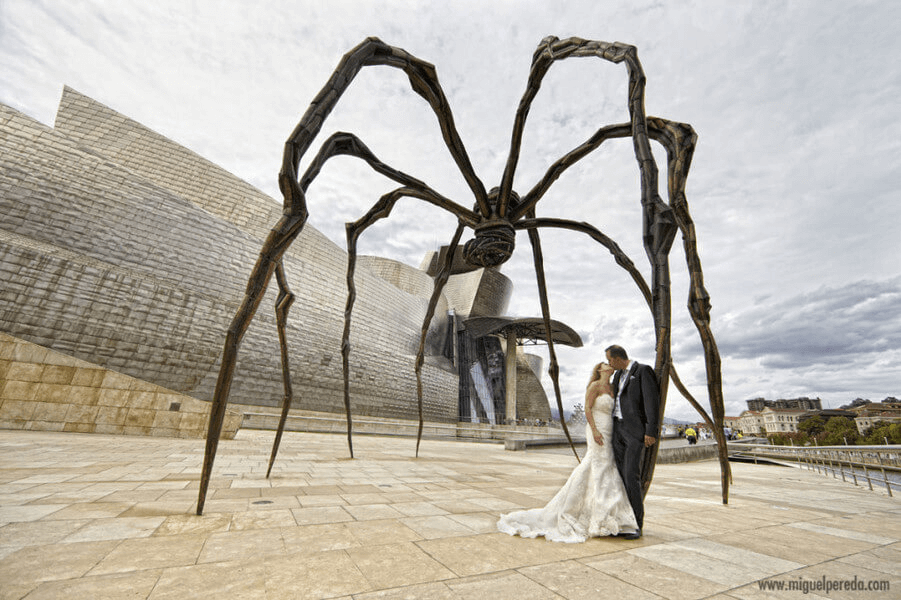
x=496 y=217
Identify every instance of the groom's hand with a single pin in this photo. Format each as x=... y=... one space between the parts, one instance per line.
x=649 y=441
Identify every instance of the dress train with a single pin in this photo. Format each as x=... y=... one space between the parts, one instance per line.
x=593 y=501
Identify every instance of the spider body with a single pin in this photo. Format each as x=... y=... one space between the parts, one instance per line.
x=494 y=238
x=495 y=219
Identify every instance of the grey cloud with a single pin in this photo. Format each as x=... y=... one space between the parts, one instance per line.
x=826 y=326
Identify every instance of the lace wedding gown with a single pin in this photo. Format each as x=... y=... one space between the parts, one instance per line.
x=592 y=503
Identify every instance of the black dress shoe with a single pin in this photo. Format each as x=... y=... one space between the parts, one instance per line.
x=630 y=535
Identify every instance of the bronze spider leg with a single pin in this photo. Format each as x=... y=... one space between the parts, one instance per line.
x=381 y=210
x=283 y=233
x=350 y=145
x=439 y=283
x=679 y=139
x=424 y=82
x=347 y=144
x=556 y=170
x=553 y=367
x=282 y=306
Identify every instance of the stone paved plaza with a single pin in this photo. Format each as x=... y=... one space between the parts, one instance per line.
x=96 y=516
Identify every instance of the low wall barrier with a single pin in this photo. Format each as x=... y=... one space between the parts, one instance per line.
x=316 y=422
x=665 y=456
x=514 y=437
x=681 y=454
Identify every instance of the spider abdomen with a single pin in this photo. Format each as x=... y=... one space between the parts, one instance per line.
x=492 y=245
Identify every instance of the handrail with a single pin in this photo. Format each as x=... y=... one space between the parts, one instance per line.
x=886 y=458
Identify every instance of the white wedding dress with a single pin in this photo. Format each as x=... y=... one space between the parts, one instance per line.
x=593 y=501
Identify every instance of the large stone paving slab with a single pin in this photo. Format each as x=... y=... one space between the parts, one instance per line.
x=94 y=516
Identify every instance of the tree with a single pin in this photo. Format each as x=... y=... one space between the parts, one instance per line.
x=839 y=430
x=789 y=438
x=578 y=415
x=813 y=426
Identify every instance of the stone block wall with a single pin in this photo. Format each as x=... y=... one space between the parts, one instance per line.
x=44 y=390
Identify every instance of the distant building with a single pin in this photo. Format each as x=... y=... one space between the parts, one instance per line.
x=758 y=404
x=890 y=407
x=781 y=420
x=777 y=416
x=856 y=403
x=750 y=422
x=828 y=413
x=865 y=423
x=870 y=413
x=733 y=423
x=769 y=420
x=785 y=415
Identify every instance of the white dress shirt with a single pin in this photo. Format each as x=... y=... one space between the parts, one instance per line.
x=623 y=378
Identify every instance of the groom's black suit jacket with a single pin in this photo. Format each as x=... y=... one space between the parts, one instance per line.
x=640 y=401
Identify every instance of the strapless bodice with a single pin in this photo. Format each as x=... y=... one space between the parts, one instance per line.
x=602 y=411
x=603 y=404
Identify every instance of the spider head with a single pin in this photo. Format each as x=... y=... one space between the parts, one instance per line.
x=492 y=245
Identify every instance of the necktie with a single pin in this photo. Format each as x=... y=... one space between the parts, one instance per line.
x=619 y=386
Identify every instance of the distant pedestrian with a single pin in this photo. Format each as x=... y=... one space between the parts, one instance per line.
x=691 y=436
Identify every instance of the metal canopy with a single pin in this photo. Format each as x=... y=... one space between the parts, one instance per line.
x=528 y=330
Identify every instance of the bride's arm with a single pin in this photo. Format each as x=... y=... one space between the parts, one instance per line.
x=591 y=395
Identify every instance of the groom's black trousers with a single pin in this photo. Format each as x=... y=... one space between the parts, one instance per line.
x=628 y=451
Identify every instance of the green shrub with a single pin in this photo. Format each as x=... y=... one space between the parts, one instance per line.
x=880 y=431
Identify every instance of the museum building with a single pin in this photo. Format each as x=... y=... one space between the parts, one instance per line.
x=128 y=253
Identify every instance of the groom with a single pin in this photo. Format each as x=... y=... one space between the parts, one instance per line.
x=635 y=423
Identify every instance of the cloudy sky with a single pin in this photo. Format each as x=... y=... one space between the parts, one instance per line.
x=793 y=187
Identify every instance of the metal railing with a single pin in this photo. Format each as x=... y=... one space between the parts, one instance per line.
x=872 y=463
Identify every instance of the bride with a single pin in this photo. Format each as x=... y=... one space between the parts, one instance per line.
x=593 y=501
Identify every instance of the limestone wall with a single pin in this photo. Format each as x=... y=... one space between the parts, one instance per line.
x=48 y=391
x=139 y=267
